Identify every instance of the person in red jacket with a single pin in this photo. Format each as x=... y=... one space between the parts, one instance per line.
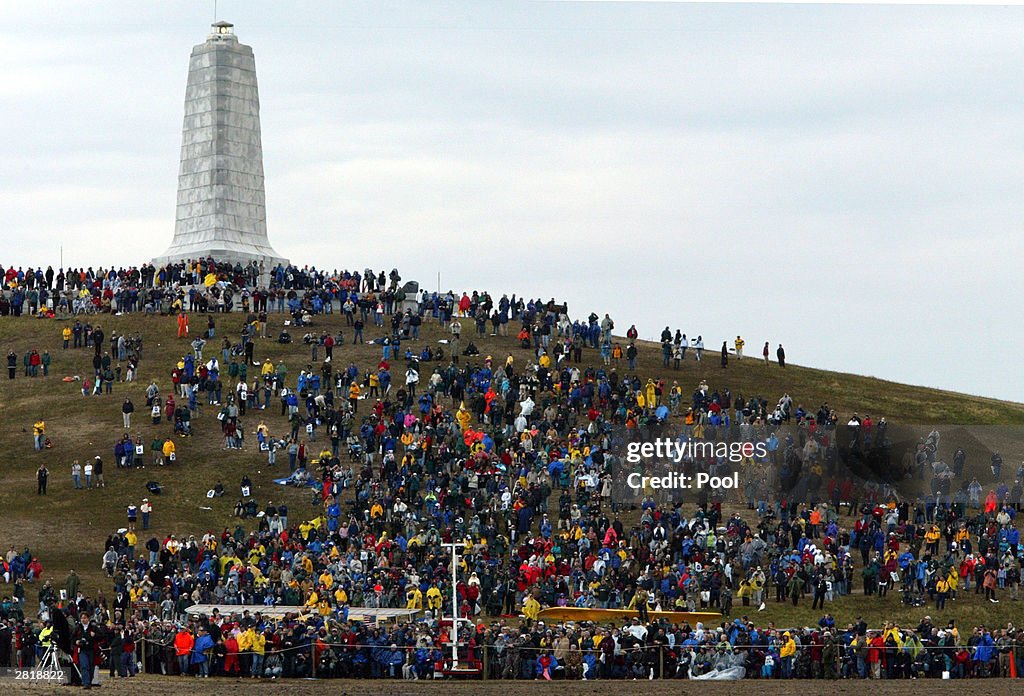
x=231 y=659
x=991 y=503
x=183 y=643
x=35 y=569
x=875 y=647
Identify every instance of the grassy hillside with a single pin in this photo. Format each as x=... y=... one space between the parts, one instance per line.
x=67 y=528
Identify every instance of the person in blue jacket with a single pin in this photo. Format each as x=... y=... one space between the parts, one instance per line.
x=547 y=663
x=392 y=660
x=984 y=652
x=203 y=644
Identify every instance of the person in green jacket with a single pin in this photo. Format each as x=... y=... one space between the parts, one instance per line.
x=796 y=586
x=157 y=448
x=830 y=656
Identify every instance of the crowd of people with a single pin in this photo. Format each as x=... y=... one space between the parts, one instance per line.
x=514 y=459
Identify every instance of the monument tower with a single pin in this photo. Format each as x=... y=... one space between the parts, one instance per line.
x=221 y=199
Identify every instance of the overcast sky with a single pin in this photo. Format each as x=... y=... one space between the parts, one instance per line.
x=844 y=179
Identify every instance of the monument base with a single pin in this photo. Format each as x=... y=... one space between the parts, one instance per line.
x=221 y=253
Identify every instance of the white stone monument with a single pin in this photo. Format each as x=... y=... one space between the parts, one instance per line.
x=221 y=199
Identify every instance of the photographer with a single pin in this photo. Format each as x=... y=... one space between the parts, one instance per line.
x=86 y=637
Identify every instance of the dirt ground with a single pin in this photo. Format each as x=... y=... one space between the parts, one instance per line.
x=158 y=686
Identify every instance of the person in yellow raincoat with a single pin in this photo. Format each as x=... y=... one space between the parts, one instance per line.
x=953 y=579
x=650 y=390
x=941 y=592
x=258 y=645
x=245 y=639
x=744 y=592
x=787 y=654
x=307 y=565
x=226 y=561
x=434 y=599
x=414 y=598
x=893 y=631
x=463 y=417
x=531 y=609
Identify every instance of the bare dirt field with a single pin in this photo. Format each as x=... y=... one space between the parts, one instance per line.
x=157 y=686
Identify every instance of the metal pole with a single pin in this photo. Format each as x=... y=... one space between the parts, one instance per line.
x=455 y=608
x=455 y=612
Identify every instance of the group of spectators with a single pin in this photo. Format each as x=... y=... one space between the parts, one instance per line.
x=516 y=459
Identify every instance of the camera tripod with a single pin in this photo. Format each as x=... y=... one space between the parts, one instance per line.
x=55 y=659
